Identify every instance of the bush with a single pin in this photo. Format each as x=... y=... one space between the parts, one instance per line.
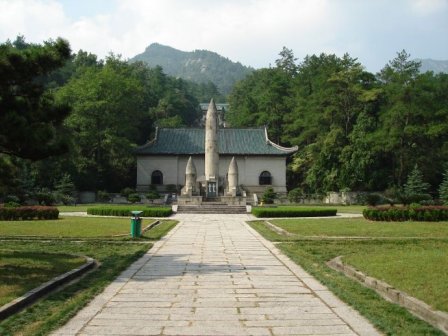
x=392 y=195
x=11 y=205
x=66 y=199
x=11 y=199
x=103 y=196
x=126 y=192
x=45 y=197
x=295 y=195
x=269 y=196
x=29 y=213
x=373 y=199
x=152 y=195
x=134 y=198
x=415 y=213
x=126 y=211
x=406 y=199
x=292 y=212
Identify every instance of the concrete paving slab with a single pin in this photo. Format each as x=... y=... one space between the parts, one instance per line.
x=215 y=275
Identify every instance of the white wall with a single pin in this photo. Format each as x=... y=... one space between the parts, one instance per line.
x=147 y=164
x=249 y=169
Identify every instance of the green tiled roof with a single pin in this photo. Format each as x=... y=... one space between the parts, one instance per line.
x=231 y=141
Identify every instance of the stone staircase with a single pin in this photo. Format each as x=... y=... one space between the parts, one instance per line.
x=212 y=208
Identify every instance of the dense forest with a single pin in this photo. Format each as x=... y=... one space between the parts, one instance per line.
x=72 y=118
x=355 y=130
x=70 y=121
x=200 y=66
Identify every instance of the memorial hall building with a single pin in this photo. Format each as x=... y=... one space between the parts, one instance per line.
x=212 y=162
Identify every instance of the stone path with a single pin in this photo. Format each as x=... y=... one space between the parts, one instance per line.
x=214 y=275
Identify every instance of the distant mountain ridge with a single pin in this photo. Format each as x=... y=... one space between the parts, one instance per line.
x=433 y=65
x=200 y=66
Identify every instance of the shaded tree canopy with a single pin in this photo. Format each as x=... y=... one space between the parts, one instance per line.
x=355 y=130
x=31 y=122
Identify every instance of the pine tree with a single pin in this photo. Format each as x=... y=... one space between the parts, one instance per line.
x=31 y=121
x=415 y=184
x=443 y=188
x=415 y=190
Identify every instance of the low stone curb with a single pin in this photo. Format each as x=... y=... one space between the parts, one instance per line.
x=278 y=230
x=36 y=293
x=149 y=227
x=418 y=308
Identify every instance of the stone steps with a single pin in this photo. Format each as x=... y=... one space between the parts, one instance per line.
x=212 y=208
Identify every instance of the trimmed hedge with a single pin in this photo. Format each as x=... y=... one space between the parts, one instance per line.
x=126 y=211
x=29 y=213
x=292 y=212
x=400 y=214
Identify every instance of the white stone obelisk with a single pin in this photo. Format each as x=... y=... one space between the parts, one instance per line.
x=190 y=178
x=211 y=150
x=232 y=178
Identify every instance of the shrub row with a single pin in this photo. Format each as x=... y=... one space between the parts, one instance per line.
x=399 y=214
x=292 y=212
x=123 y=211
x=29 y=212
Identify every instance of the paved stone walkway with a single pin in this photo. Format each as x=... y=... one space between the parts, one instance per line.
x=214 y=275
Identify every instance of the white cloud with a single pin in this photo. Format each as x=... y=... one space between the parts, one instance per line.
x=249 y=31
x=240 y=30
x=36 y=19
x=426 y=7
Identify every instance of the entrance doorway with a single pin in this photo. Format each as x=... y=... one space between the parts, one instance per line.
x=211 y=190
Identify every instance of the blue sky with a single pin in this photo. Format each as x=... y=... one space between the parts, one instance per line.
x=249 y=31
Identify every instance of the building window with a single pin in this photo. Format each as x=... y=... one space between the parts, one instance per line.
x=157 y=177
x=265 y=178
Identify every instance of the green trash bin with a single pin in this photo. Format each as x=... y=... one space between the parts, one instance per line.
x=136 y=224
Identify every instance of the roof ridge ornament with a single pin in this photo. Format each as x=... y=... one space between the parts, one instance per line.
x=273 y=144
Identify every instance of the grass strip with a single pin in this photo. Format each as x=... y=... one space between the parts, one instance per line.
x=389 y=318
x=413 y=268
x=82 y=227
x=57 y=308
x=353 y=209
x=360 y=227
x=21 y=271
x=75 y=227
x=291 y=211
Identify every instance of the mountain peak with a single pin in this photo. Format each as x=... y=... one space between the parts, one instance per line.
x=201 y=66
x=436 y=66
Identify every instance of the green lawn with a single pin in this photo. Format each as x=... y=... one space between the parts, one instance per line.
x=57 y=308
x=354 y=209
x=359 y=227
x=416 y=266
x=418 y=269
x=21 y=271
x=77 y=208
x=83 y=207
x=69 y=227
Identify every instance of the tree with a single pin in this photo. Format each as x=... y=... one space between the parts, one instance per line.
x=443 y=188
x=65 y=189
x=107 y=111
x=269 y=195
x=399 y=113
x=287 y=61
x=31 y=121
x=415 y=188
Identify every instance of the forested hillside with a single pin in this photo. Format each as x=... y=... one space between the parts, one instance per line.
x=355 y=130
x=200 y=66
x=80 y=117
x=73 y=120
